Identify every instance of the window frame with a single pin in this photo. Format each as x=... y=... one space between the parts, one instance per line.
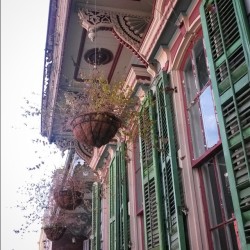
x=225 y=222
x=209 y=152
x=136 y=148
x=139 y=212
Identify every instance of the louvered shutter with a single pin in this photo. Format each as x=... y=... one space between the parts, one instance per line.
x=96 y=217
x=169 y=166
x=123 y=198
x=113 y=206
x=152 y=193
x=119 y=219
x=227 y=46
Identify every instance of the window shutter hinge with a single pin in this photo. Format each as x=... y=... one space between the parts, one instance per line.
x=169 y=89
x=182 y=210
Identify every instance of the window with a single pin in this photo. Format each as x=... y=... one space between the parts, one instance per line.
x=225 y=26
x=138 y=176
x=152 y=193
x=200 y=104
x=119 y=236
x=219 y=203
x=138 y=192
x=162 y=194
x=247 y=5
x=96 y=217
x=204 y=137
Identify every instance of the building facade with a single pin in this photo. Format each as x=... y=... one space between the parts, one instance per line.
x=184 y=184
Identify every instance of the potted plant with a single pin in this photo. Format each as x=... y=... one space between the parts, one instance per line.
x=68 y=195
x=68 y=198
x=54 y=228
x=54 y=231
x=100 y=110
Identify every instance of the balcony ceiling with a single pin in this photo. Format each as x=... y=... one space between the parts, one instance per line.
x=118 y=33
x=79 y=51
x=128 y=5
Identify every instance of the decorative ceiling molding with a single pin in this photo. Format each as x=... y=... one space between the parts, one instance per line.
x=129 y=27
x=135 y=51
x=98 y=56
x=84 y=151
x=94 y=18
x=64 y=143
x=163 y=57
x=101 y=155
x=77 y=73
x=136 y=75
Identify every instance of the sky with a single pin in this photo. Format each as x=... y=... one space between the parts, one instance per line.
x=23 y=37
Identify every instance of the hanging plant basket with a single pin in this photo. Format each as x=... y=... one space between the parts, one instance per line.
x=54 y=232
x=79 y=231
x=95 y=129
x=68 y=199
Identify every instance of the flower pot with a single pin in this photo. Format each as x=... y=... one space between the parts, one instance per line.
x=54 y=232
x=68 y=199
x=95 y=129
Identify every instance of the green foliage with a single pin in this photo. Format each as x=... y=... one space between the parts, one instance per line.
x=30 y=109
x=35 y=201
x=103 y=96
x=99 y=96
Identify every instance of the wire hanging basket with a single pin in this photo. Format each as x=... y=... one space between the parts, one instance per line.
x=96 y=128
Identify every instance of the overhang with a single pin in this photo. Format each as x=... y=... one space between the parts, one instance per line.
x=71 y=51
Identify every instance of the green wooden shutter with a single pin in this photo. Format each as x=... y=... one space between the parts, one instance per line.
x=225 y=43
x=227 y=46
x=123 y=198
x=96 y=217
x=152 y=193
x=169 y=167
x=119 y=219
x=113 y=213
